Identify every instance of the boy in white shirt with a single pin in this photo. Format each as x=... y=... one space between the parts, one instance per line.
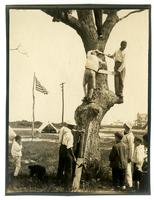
x=138 y=159
x=128 y=139
x=16 y=152
x=119 y=68
x=91 y=67
x=66 y=158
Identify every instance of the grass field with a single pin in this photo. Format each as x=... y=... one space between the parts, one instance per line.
x=46 y=153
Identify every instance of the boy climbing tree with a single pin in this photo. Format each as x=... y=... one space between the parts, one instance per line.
x=89 y=81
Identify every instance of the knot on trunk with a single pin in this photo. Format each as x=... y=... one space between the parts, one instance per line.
x=103 y=101
x=104 y=98
x=86 y=113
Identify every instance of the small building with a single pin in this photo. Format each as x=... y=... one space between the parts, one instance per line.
x=47 y=127
x=141 y=120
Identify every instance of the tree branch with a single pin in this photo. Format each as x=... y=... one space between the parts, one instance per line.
x=66 y=19
x=107 y=27
x=135 y=11
x=87 y=22
x=18 y=50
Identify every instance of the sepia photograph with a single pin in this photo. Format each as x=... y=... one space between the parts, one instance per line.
x=78 y=99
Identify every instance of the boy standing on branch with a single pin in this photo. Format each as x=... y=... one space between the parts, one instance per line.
x=119 y=68
x=91 y=67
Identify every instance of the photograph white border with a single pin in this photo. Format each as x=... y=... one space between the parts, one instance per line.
x=3 y=95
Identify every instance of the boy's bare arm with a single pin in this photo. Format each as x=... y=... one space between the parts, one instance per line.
x=110 y=55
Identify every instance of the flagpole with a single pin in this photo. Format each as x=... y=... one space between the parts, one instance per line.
x=62 y=86
x=33 y=105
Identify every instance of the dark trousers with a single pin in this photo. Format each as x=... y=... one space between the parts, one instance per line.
x=144 y=183
x=118 y=177
x=119 y=79
x=64 y=173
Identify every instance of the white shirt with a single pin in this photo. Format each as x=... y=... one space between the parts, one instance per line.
x=128 y=139
x=120 y=56
x=16 y=149
x=139 y=155
x=92 y=61
x=66 y=137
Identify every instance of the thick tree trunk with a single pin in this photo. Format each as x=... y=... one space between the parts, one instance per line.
x=89 y=117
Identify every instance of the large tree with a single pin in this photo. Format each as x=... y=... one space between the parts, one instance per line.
x=94 y=27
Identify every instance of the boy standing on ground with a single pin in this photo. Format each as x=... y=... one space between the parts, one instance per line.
x=118 y=161
x=89 y=80
x=145 y=182
x=66 y=158
x=16 y=152
x=119 y=68
x=128 y=139
x=138 y=159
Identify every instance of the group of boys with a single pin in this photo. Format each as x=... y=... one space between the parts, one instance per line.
x=94 y=64
x=127 y=153
x=126 y=160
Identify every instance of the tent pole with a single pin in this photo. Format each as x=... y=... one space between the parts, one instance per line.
x=33 y=106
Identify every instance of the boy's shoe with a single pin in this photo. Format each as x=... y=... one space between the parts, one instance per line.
x=120 y=99
x=87 y=100
x=84 y=99
x=123 y=187
x=130 y=189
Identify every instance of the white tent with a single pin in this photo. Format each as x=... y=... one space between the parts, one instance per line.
x=47 y=127
x=12 y=134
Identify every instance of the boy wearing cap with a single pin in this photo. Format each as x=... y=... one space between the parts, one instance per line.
x=128 y=139
x=91 y=67
x=138 y=159
x=118 y=161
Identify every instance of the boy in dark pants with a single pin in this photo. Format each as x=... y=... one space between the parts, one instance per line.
x=66 y=158
x=118 y=161
x=145 y=181
x=138 y=159
x=119 y=68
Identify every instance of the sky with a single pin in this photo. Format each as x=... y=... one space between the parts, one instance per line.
x=56 y=54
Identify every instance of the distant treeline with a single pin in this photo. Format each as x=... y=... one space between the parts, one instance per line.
x=37 y=124
x=24 y=124
x=120 y=126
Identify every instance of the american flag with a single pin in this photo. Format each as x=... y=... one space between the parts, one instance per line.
x=40 y=88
